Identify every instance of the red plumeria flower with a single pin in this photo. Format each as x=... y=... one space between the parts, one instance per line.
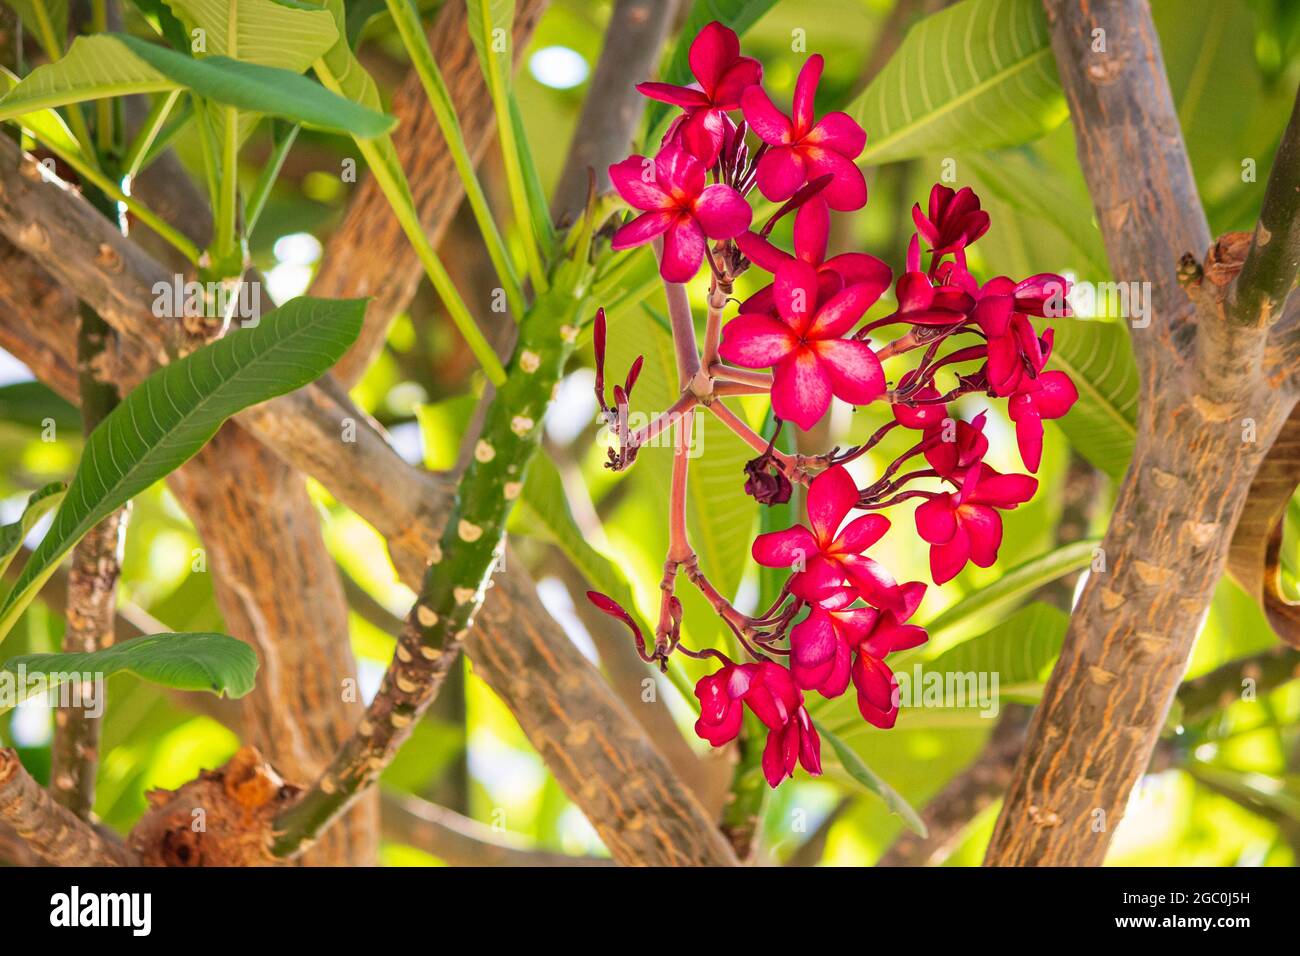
x=955 y=220
x=810 y=359
x=1050 y=395
x=922 y=302
x=964 y=525
x=678 y=206
x=812 y=226
x=721 y=697
x=832 y=558
x=822 y=645
x=803 y=148
x=952 y=459
x=1003 y=312
x=721 y=75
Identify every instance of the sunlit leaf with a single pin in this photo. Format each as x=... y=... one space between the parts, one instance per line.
x=858 y=770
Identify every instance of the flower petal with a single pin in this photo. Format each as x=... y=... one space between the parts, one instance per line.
x=637 y=181
x=713 y=50
x=858 y=268
x=781 y=173
x=831 y=496
x=768 y=123
x=876 y=686
x=754 y=340
x=722 y=212
x=683 y=250
x=642 y=229
x=743 y=74
x=810 y=743
x=812 y=649
x=683 y=96
x=801 y=389
x=936 y=521
x=781 y=549
x=861 y=533
x=854 y=370
x=702 y=133
x=875 y=584
x=761 y=252
x=805 y=92
x=847 y=189
x=983 y=525
x=947 y=559
x=839 y=132
x=843 y=311
x=1056 y=394
x=795 y=288
x=812 y=227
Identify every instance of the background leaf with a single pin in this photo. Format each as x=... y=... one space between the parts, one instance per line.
x=110 y=64
x=41 y=502
x=199 y=661
x=979 y=75
x=260 y=31
x=173 y=413
x=1020 y=651
x=858 y=770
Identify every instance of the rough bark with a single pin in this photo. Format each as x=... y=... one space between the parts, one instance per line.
x=369 y=255
x=1204 y=380
x=56 y=835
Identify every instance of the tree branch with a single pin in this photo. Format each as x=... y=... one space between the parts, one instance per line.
x=56 y=835
x=1093 y=734
x=461 y=841
x=634 y=40
x=1270 y=268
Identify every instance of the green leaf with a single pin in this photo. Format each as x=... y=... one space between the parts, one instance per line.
x=198 y=661
x=269 y=32
x=857 y=769
x=109 y=64
x=1020 y=650
x=38 y=505
x=979 y=75
x=173 y=413
x=1015 y=584
x=739 y=15
x=489 y=23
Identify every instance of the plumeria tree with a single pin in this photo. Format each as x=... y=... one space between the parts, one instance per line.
x=677 y=431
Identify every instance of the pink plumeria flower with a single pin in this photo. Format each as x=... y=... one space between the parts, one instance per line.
x=921 y=415
x=678 y=206
x=832 y=558
x=795 y=744
x=1050 y=395
x=955 y=219
x=721 y=75
x=812 y=226
x=872 y=678
x=805 y=348
x=801 y=147
x=721 y=697
x=964 y=525
x=952 y=459
x=1003 y=313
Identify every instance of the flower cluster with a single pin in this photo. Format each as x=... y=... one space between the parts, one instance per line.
x=801 y=339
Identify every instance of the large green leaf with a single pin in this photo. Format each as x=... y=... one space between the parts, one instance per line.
x=979 y=75
x=173 y=413
x=858 y=771
x=203 y=661
x=269 y=32
x=41 y=501
x=740 y=15
x=1020 y=650
x=109 y=64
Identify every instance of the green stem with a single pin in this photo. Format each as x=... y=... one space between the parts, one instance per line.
x=749 y=789
x=407 y=20
x=148 y=133
x=228 y=199
x=458 y=573
x=270 y=172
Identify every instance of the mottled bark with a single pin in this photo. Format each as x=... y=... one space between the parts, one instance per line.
x=1209 y=411
x=53 y=833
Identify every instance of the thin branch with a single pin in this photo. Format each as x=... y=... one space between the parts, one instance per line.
x=1269 y=271
x=462 y=841
x=634 y=40
x=56 y=835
